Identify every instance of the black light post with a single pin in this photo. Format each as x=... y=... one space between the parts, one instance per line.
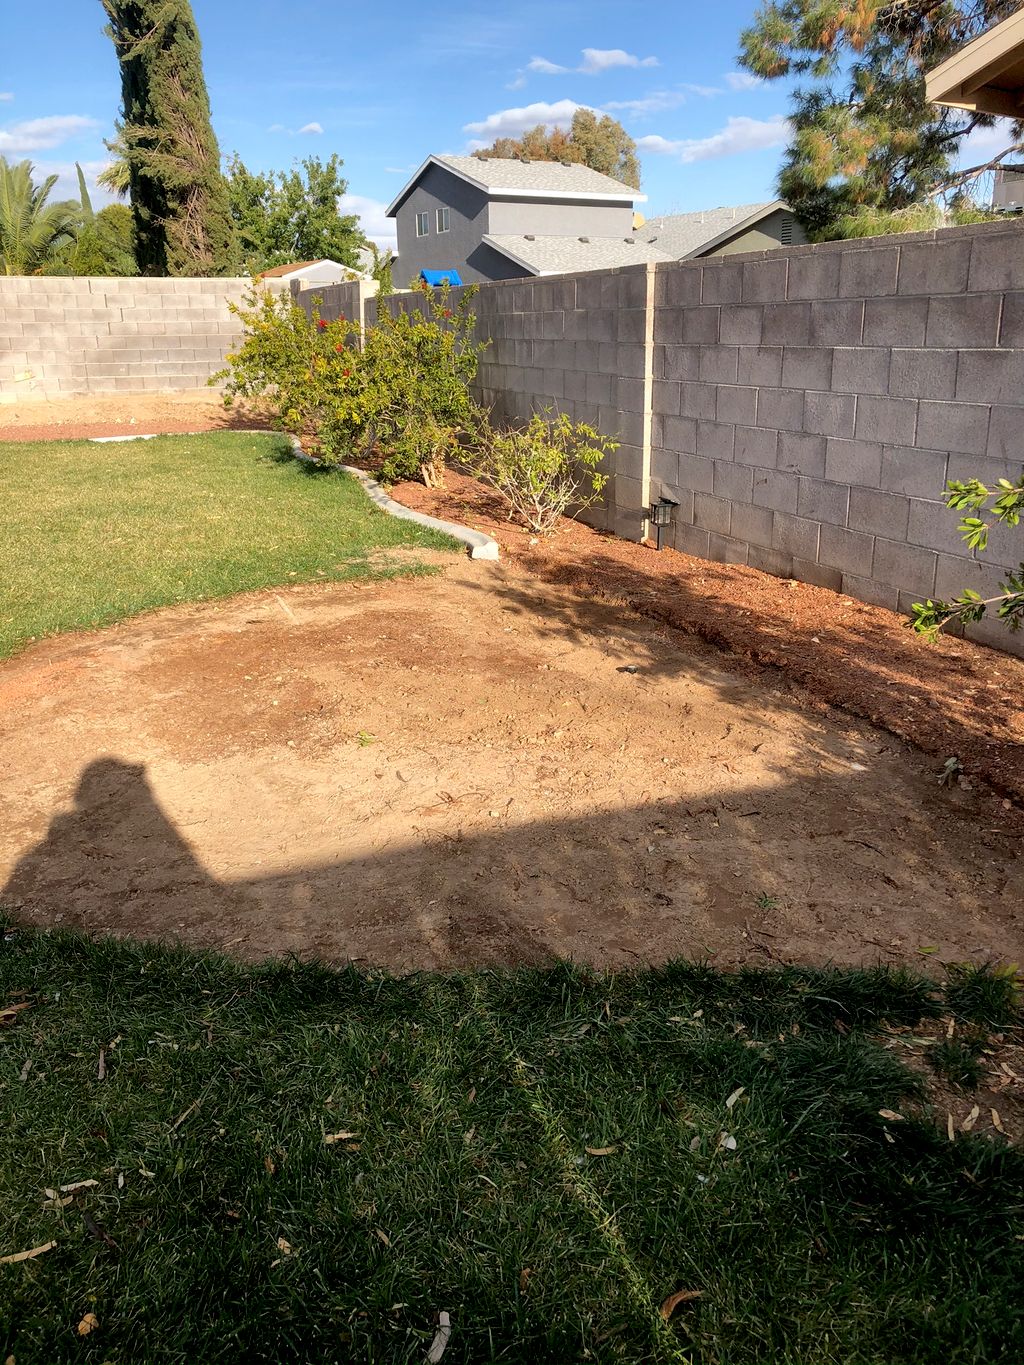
x=661 y=515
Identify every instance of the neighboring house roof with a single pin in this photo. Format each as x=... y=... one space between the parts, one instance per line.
x=987 y=75
x=683 y=235
x=512 y=178
x=292 y=268
x=569 y=255
x=301 y=268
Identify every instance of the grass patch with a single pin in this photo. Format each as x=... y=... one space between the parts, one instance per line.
x=827 y=1234
x=94 y=533
x=958 y=1060
x=986 y=994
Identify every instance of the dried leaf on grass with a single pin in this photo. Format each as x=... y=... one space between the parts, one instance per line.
x=88 y=1324
x=27 y=1255
x=284 y=1247
x=440 y=1343
x=600 y=1151
x=383 y=1236
x=740 y=1090
x=950 y=1126
x=970 y=1120
x=101 y=1066
x=997 y=1122
x=330 y=1138
x=79 y=1185
x=891 y=1115
x=524 y=1279
x=674 y=1300
x=26 y=1068
x=9 y=1013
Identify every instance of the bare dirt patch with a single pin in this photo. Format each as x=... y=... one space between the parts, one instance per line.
x=82 y=416
x=468 y=770
x=952 y=698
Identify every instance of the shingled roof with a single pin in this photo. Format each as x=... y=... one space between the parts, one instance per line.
x=682 y=235
x=501 y=176
x=569 y=255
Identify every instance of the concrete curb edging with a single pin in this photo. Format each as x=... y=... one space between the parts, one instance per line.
x=480 y=546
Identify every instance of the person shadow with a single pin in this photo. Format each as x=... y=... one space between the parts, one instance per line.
x=113 y=857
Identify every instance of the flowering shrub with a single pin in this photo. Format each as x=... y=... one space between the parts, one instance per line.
x=400 y=392
x=294 y=367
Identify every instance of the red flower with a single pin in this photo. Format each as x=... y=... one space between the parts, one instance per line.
x=339 y=348
x=321 y=325
x=447 y=312
x=346 y=373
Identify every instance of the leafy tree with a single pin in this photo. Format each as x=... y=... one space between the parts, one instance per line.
x=864 y=135
x=1005 y=504
x=598 y=142
x=179 y=197
x=104 y=242
x=33 y=231
x=292 y=215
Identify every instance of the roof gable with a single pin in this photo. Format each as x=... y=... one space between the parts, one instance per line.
x=515 y=179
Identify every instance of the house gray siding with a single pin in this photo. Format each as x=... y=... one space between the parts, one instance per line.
x=473 y=215
x=560 y=218
x=438 y=188
x=763 y=236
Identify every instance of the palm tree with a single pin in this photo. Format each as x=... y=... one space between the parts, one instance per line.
x=32 y=231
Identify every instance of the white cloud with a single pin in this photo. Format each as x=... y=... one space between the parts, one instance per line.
x=705 y=91
x=5 y=96
x=742 y=80
x=400 y=170
x=738 y=135
x=311 y=128
x=518 y=83
x=513 y=122
x=40 y=134
x=656 y=103
x=67 y=180
x=596 y=60
x=372 y=218
x=544 y=67
x=277 y=128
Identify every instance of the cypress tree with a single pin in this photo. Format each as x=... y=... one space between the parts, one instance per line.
x=179 y=195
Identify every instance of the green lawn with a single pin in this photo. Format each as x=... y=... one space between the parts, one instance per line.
x=93 y=533
x=224 y=1228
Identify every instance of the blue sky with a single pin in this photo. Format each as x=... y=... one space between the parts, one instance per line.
x=385 y=86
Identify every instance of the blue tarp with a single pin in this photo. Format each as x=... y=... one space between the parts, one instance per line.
x=435 y=277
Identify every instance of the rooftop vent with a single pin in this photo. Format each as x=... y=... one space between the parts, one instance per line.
x=584 y=239
x=529 y=237
x=566 y=163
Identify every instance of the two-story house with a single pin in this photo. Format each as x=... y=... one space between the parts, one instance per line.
x=503 y=219
x=456 y=212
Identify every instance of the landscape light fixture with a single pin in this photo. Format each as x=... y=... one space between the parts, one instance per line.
x=661 y=515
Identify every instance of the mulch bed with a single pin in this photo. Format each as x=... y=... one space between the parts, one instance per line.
x=950 y=698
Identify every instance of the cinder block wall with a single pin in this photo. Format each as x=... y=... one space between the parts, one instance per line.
x=810 y=403
x=71 y=335
x=346 y=300
x=575 y=344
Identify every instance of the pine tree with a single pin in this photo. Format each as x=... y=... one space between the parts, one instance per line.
x=179 y=196
x=600 y=143
x=864 y=135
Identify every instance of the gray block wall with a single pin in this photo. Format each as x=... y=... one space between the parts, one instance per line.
x=809 y=405
x=76 y=335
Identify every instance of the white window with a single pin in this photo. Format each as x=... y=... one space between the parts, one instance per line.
x=422 y=224
x=444 y=220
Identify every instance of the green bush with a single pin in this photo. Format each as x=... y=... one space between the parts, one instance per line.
x=545 y=468
x=418 y=367
x=301 y=370
x=399 y=393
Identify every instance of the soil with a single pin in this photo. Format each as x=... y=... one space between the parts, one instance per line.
x=953 y=698
x=480 y=768
x=76 y=418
